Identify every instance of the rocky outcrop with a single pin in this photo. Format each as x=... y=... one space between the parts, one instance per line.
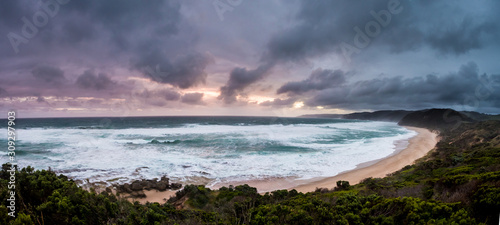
x=176 y=186
x=136 y=188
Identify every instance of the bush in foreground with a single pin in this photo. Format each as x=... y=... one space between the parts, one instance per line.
x=457 y=184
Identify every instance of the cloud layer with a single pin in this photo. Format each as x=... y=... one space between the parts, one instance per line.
x=318 y=80
x=165 y=54
x=241 y=78
x=466 y=89
x=185 y=72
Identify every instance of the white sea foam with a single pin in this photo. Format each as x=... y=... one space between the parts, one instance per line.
x=218 y=152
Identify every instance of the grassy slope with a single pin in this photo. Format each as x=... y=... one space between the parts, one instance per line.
x=458 y=183
x=464 y=168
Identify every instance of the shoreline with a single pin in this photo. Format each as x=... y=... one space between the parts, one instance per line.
x=418 y=146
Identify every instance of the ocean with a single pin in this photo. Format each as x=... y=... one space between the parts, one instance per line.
x=209 y=150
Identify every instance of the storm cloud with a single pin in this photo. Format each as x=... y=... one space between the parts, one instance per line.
x=318 y=80
x=279 y=102
x=89 y=80
x=461 y=38
x=193 y=98
x=76 y=24
x=318 y=30
x=466 y=88
x=239 y=79
x=325 y=26
x=184 y=72
x=394 y=27
x=3 y=92
x=164 y=94
x=101 y=55
x=48 y=74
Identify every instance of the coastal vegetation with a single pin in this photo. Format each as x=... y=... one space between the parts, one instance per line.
x=456 y=183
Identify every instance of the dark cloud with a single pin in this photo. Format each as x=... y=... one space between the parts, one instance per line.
x=317 y=31
x=94 y=20
x=193 y=98
x=459 y=39
x=3 y=92
x=76 y=30
x=324 y=26
x=165 y=94
x=49 y=74
x=174 y=43
x=95 y=30
x=89 y=80
x=466 y=88
x=74 y=103
x=318 y=80
x=156 y=18
x=279 y=102
x=91 y=34
x=184 y=72
x=321 y=27
x=12 y=11
x=41 y=99
x=239 y=79
x=170 y=95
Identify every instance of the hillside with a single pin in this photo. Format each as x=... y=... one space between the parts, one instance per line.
x=397 y=115
x=480 y=116
x=463 y=169
x=383 y=115
x=435 y=119
x=331 y=116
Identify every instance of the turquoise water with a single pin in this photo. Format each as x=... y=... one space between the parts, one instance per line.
x=219 y=149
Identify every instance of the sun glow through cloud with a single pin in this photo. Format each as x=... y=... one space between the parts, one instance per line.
x=298 y=105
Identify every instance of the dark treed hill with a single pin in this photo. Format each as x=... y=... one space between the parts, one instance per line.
x=480 y=116
x=395 y=115
x=382 y=115
x=435 y=119
x=330 y=116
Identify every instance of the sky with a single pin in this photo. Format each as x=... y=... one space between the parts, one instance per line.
x=70 y=58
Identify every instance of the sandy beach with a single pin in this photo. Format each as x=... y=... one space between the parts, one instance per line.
x=154 y=196
x=418 y=146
